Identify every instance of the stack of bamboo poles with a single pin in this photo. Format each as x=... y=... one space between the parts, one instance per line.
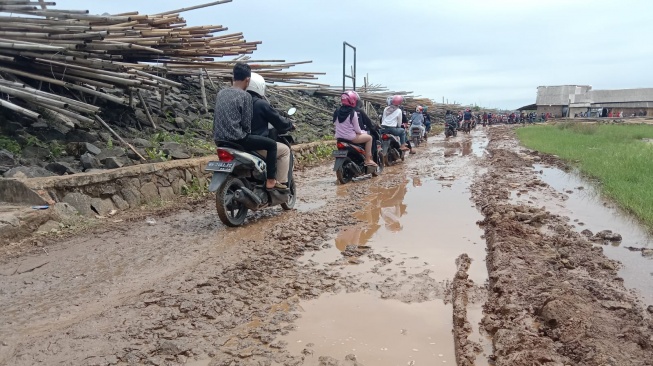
x=112 y=57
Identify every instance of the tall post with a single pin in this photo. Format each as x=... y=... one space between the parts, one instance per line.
x=344 y=66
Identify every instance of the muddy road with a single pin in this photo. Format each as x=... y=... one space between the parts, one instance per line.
x=464 y=254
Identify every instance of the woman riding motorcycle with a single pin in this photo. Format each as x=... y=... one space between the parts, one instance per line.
x=417 y=119
x=392 y=118
x=347 y=126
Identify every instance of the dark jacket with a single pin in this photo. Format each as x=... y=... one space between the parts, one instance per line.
x=263 y=114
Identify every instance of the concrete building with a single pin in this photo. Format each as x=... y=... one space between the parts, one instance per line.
x=572 y=100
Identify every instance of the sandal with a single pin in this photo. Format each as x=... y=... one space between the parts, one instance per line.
x=371 y=164
x=278 y=186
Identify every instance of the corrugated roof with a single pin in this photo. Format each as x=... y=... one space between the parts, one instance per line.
x=559 y=95
x=621 y=95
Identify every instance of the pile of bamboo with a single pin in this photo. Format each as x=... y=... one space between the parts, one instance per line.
x=46 y=53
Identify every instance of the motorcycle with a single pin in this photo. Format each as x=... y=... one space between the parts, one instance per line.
x=350 y=161
x=416 y=136
x=239 y=181
x=391 y=147
x=450 y=130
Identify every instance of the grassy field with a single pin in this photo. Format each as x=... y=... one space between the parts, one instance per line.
x=616 y=155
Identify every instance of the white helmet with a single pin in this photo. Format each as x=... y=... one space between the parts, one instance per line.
x=257 y=84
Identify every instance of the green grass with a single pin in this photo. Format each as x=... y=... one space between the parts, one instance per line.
x=615 y=155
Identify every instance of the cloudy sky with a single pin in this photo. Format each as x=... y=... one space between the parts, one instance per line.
x=490 y=52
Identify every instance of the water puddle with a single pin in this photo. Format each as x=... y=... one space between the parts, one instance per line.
x=379 y=333
x=592 y=212
x=418 y=228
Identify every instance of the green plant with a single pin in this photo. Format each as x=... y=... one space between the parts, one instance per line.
x=9 y=145
x=56 y=149
x=33 y=141
x=110 y=143
x=195 y=189
x=154 y=154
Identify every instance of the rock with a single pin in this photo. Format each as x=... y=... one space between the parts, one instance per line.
x=171 y=348
x=607 y=235
x=178 y=185
x=647 y=253
x=112 y=163
x=167 y=193
x=114 y=152
x=133 y=156
x=49 y=227
x=35 y=152
x=80 y=202
x=587 y=233
x=150 y=192
x=168 y=127
x=120 y=203
x=142 y=117
x=7 y=159
x=181 y=123
x=88 y=147
x=102 y=206
x=138 y=142
x=616 y=305
x=650 y=309
x=60 y=168
x=81 y=136
x=177 y=154
x=65 y=212
x=89 y=161
x=132 y=195
x=22 y=172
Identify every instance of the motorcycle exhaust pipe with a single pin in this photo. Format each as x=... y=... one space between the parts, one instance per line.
x=247 y=198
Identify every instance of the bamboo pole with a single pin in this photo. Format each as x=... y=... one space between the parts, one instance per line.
x=195 y=7
x=203 y=91
x=21 y=110
x=146 y=107
x=99 y=119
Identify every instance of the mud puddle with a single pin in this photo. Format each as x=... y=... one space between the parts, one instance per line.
x=415 y=231
x=386 y=332
x=588 y=210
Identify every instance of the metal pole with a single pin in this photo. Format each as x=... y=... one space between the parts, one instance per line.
x=354 y=82
x=344 y=67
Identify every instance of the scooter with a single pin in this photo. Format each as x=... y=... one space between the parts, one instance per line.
x=450 y=130
x=416 y=136
x=391 y=146
x=239 y=181
x=350 y=161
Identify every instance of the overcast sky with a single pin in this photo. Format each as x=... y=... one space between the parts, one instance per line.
x=490 y=52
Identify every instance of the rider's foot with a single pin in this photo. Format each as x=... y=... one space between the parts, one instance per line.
x=412 y=152
x=370 y=163
x=273 y=184
x=404 y=148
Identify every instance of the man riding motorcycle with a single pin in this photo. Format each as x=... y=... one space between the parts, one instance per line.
x=264 y=117
x=417 y=119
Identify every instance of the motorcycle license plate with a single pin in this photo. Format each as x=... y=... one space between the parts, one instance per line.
x=340 y=153
x=220 y=166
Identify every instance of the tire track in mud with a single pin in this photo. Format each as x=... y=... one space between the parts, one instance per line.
x=555 y=299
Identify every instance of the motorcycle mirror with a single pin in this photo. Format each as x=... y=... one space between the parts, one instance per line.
x=292 y=111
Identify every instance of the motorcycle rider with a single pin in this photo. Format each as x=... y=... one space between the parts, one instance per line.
x=347 y=126
x=467 y=118
x=427 y=120
x=263 y=116
x=233 y=122
x=450 y=120
x=417 y=119
x=392 y=120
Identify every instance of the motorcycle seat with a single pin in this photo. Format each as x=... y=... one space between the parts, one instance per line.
x=234 y=145
x=349 y=142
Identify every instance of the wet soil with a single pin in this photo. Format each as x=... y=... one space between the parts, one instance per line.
x=385 y=271
x=555 y=297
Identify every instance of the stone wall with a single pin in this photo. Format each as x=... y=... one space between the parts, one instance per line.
x=101 y=192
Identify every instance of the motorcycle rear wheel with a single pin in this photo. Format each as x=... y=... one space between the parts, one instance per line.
x=343 y=173
x=230 y=212
x=292 y=198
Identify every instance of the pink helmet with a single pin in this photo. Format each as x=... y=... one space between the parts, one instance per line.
x=349 y=98
x=397 y=100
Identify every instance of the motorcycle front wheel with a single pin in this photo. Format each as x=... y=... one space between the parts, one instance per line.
x=231 y=213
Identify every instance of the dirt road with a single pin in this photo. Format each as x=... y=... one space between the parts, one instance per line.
x=371 y=273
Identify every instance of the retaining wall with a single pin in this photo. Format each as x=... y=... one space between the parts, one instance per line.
x=118 y=189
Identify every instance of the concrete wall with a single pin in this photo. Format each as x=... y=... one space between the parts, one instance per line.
x=555 y=110
x=118 y=189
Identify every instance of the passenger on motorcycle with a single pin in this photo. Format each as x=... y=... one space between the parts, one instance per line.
x=347 y=127
x=392 y=118
x=368 y=127
x=450 y=120
x=417 y=119
x=427 y=120
x=467 y=118
x=264 y=117
x=233 y=122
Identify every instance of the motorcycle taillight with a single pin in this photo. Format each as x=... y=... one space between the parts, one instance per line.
x=224 y=155
x=341 y=146
x=385 y=137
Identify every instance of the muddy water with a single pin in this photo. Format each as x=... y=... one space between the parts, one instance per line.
x=422 y=226
x=592 y=212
